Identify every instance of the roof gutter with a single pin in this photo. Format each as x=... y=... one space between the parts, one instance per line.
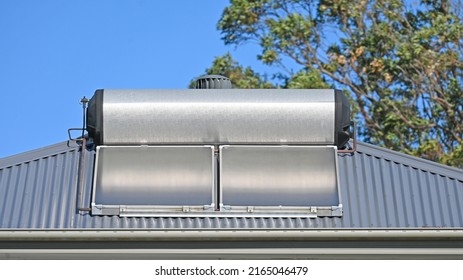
x=233 y=235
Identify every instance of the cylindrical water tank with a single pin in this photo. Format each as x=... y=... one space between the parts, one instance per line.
x=219 y=116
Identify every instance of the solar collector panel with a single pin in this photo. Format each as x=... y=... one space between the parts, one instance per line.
x=154 y=176
x=278 y=177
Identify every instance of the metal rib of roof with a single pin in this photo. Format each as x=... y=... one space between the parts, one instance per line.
x=380 y=189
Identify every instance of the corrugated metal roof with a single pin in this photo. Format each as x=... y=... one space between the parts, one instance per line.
x=379 y=188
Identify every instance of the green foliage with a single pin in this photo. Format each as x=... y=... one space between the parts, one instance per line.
x=401 y=62
x=306 y=79
x=245 y=77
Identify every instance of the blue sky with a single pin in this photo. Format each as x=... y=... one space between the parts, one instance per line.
x=54 y=52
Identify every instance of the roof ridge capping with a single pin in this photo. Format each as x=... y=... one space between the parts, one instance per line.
x=412 y=161
x=35 y=154
x=387 y=154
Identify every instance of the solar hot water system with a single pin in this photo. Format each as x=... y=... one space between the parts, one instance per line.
x=217 y=151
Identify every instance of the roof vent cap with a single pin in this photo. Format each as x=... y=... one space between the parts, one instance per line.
x=213 y=82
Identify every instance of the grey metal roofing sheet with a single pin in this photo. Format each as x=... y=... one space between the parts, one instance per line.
x=379 y=188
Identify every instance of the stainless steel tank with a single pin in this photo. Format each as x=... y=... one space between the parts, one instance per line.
x=225 y=116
